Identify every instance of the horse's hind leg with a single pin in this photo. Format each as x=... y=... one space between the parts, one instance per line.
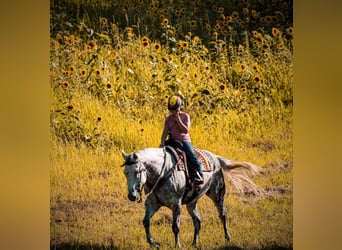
x=149 y=212
x=216 y=193
x=192 y=209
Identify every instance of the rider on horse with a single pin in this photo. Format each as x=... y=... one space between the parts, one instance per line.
x=177 y=126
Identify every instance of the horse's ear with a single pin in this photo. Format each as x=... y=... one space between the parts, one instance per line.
x=124 y=155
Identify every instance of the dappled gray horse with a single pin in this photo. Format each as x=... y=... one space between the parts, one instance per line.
x=153 y=169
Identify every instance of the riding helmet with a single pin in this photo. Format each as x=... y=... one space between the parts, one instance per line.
x=174 y=102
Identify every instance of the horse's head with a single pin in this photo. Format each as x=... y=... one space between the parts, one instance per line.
x=136 y=175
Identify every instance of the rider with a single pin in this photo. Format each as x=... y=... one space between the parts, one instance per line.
x=177 y=125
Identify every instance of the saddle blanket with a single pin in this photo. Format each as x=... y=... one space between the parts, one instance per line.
x=203 y=158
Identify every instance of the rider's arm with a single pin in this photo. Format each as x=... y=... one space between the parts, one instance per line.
x=163 y=138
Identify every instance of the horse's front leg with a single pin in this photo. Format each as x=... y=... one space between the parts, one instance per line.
x=176 y=212
x=149 y=212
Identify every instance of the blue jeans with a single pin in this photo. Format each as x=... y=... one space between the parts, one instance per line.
x=188 y=148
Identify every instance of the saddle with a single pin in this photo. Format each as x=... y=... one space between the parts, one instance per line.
x=176 y=149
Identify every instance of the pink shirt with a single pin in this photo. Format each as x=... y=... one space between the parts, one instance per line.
x=173 y=127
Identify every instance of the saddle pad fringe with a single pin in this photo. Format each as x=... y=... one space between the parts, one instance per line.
x=203 y=158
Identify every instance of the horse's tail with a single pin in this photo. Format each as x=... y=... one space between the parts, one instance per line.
x=236 y=173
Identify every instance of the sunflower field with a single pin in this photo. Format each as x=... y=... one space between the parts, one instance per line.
x=113 y=66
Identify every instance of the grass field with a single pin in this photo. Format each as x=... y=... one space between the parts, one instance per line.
x=113 y=66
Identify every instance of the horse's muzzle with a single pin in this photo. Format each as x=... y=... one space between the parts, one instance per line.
x=132 y=197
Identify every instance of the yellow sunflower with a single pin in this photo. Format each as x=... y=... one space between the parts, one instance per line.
x=70 y=107
x=103 y=20
x=157 y=47
x=177 y=13
x=109 y=86
x=65 y=85
x=222 y=87
x=97 y=72
x=243 y=89
x=193 y=23
x=165 y=21
x=83 y=72
x=185 y=45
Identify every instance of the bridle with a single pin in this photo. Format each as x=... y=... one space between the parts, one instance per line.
x=142 y=168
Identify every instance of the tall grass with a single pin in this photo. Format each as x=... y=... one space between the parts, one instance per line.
x=113 y=66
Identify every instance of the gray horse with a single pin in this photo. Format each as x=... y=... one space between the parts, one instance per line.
x=154 y=169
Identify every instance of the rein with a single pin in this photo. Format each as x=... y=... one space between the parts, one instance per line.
x=157 y=182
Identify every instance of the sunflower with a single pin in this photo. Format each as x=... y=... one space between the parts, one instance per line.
x=65 y=85
x=208 y=27
x=217 y=26
x=201 y=63
x=193 y=23
x=235 y=15
x=195 y=76
x=268 y=19
x=165 y=11
x=257 y=79
x=116 y=37
x=123 y=11
x=289 y=31
x=58 y=36
x=207 y=68
x=72 y=69
x=83 y=72
x=109 y=86
x=165 y=21
x=266 y=55
x=148 y=12
x=157 y=47
x=185 y=45
x=70 y=107
x=66 y=73
x=243 y=89
x=146 y=44
x=178 y=45
x=98 y=119
x=103 y=68
x=229 y=19
x=196 y=40
x=103 y=20
x=245 y=11
x=221 y=9
x=274 y=19
x=275 y=31
x=211 y=77
x=97 y=72
x=242 y=67
x=222 y=87
x=258 y=39
x=214 y=8
x=255 y=67
x=177 y=13
x=142 y=130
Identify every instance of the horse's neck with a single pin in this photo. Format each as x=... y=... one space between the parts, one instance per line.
x=154 y=160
